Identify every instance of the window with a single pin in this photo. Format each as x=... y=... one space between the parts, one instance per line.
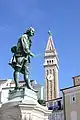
x=10 y=84
x=54 y=89
x=50 y=48
x=73 y=115
x=78 y=81
x=47 y=61
x=50 y=89
x=59 y=104
x=7 y=84
x=0 y=96
x=47 y=72
x=72 y=98
x=52 y=61
x=50 y=71
x=53 y=72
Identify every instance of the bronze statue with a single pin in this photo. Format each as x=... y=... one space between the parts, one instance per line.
x=21 y=58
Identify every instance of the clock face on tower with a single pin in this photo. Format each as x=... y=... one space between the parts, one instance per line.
x=50 y=77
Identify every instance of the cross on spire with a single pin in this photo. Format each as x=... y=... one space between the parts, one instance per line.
x=49 y=33
x=50 y=43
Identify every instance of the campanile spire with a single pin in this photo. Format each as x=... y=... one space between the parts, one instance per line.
x=51 y=70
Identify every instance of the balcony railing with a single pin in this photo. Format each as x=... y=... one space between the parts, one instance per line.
x=55 y=105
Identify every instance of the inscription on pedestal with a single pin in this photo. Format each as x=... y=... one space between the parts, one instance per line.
x=16 y=93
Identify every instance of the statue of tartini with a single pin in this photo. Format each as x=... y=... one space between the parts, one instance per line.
x=21 y=58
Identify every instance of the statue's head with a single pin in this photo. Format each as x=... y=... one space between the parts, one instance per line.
x=30 y=31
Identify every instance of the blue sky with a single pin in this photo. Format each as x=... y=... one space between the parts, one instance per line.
x=62 y=17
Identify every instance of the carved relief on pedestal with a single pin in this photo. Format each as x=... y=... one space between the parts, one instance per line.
x=27 y=116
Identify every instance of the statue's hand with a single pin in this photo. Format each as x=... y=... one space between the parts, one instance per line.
x=32 y=55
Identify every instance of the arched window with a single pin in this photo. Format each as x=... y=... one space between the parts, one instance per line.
x=50 y=48
x=53 y=72
x=47 y=61
x=50 y=71
x=52 y=61
x=47 y=72
x=50 y=89
x=0 y=95
x=72 y=98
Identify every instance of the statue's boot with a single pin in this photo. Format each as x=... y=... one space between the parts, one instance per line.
x=29 y=86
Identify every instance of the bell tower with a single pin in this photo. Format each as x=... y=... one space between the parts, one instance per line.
x=51 y=70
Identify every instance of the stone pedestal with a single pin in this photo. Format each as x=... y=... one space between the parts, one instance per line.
x=23 y=105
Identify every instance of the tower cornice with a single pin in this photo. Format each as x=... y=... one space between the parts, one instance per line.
x=51 y=65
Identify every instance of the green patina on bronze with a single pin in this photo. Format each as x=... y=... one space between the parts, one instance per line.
x=21 y=58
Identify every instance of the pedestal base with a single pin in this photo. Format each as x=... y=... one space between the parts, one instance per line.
x=23 y=94
x=23 y=105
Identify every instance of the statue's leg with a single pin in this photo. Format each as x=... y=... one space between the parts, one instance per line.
x=17 y=71
x=26 y=75
x=27 y=79
x=16 y=78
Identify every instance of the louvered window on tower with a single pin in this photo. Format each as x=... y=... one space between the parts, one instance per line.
x=0 y=96
x=47 y=72
x=50 y=48
x=50 y=61
x=50 y=71
x=47 y=61
x=53 y=72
